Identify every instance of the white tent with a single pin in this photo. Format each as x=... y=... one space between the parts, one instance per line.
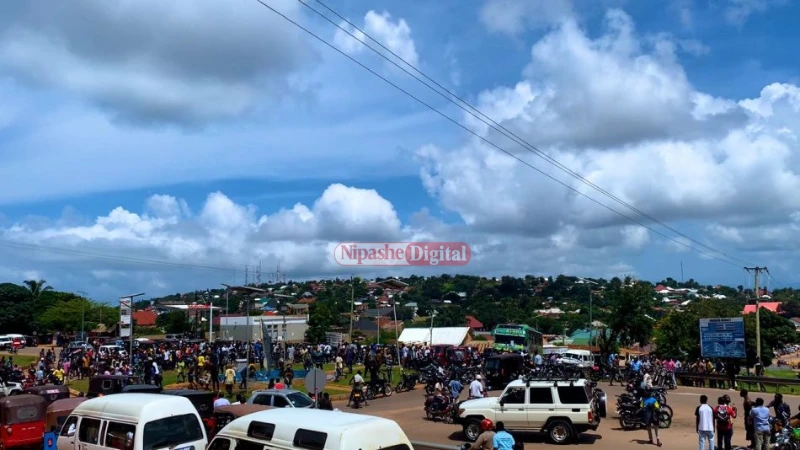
x=441 y=336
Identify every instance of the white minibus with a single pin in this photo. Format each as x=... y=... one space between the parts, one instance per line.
x=312 y=429
x=133 y=422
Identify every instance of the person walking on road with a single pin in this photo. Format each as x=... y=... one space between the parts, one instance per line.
x=748 y=420
x=723 y=419
x=704 y=420
x=761 y=432
x=650 y=411
x=476 y=388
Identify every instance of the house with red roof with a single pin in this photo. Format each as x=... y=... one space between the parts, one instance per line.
x=474 y=324
x=772 y=306
x=146 y=318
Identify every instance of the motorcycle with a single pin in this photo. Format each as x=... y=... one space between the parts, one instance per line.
x=441 y=407
x=407 y=382
x=630 y=418
x=356 y=398
x=379 y=386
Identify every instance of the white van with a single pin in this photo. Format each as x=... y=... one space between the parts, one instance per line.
x=133 y=422
x=578 y=358
x=5 y=342
x=296 y=428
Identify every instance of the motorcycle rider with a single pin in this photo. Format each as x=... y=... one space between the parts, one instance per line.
x=486 y=439
x=358 y=385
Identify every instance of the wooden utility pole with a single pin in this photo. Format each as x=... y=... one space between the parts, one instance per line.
x=352 y=306
x=756 y=272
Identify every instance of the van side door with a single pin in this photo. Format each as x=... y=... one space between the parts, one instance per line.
x=89 y=434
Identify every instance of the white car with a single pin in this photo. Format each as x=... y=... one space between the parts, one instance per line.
x=8 y=388
x=578 y=358
x=561 y=408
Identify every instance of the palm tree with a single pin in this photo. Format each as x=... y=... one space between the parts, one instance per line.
x=36 y=288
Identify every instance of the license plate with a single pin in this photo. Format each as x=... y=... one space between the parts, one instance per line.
x=51 y=391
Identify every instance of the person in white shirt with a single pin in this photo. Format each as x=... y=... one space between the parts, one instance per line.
x=704 y=416
x=476 y=388
x=221 y=401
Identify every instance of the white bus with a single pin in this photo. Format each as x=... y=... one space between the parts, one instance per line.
x=133 y=422
x=311 y=429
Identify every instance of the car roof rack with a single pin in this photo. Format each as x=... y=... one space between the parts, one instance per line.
x=556 y=378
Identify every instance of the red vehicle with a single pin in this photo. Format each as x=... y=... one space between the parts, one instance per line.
x=22 y=420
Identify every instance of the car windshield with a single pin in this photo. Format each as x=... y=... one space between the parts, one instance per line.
x=171 y=431
x=299 y=400
x=505 y=339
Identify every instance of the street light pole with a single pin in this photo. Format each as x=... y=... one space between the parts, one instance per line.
x=591 y=311
x=83 y=315
x=130 y=299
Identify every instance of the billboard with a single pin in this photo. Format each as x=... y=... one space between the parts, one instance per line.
x=125 y=317
x=722 y=338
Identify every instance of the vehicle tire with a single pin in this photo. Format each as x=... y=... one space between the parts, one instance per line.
x=624 y=424
x=399 y=387
x=559 y=432
x=428 y=414
x=387 y=391
x=472 y=429
x=430 y=389
x=370 y=394
x=668 y=409
x=664 y=419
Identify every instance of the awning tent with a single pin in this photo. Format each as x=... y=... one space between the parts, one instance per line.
x=441 y=336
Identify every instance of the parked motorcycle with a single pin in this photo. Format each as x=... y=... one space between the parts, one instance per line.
x=630 y=417
x=407 y=382
x=379 y=386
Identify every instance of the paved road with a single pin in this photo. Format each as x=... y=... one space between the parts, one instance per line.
x=406 y=409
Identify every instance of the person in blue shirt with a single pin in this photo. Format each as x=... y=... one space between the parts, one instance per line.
x=760 y=416
x=636 y=365
x=650 y=412
x=455 y=388
x=502 y=438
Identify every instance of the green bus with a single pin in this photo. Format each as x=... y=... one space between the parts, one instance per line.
x=516 y=337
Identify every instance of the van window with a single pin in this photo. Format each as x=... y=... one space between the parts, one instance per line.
x=261 y=430
x=244 y=444
x=397 y=447
x=120 y=435
x=220 y=444
x=312 y=440
x=541 y=396
x=89 y=431
x=572 y=395
x=280 y=402
x=171 y=431
x=71 y=422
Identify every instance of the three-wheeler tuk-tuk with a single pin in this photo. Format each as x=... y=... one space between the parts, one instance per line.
x=22 y=420
x=227 y=414
x=59 y=410
x=203 y=401
x=101 y=385
x=49 y=392
x=141 y=389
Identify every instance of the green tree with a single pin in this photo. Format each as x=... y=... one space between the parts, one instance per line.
x=630 y=318
x=174 y=322
x=319 y=322
x=36 y=288
x=67 y=316
x=16 y=311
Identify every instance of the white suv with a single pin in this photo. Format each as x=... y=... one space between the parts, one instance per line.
x=562 y=408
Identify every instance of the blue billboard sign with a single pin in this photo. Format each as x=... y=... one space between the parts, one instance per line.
x=722 y=338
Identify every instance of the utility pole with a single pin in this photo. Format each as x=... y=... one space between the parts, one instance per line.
x=756 y=272
x=352 y=306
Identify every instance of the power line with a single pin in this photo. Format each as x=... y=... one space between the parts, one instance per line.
x=485 y=140
x=451 y=97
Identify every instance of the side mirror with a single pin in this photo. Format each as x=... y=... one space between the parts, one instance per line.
x=502 y=402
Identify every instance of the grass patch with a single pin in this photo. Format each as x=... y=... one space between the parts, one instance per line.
x=21 y=360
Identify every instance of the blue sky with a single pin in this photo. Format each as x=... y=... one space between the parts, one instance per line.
x=219 y=135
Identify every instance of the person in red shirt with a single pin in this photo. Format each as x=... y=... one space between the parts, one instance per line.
x=724 y=414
